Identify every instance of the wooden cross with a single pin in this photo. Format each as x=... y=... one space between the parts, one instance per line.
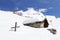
x=15 y=26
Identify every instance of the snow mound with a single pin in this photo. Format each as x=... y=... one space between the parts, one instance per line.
x=8 y=19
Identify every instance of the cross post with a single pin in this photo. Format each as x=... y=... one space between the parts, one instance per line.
x=15 y=27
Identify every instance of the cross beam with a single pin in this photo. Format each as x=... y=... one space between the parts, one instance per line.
x=15 y=27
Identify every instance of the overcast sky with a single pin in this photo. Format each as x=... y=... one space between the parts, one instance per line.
x=52 y=6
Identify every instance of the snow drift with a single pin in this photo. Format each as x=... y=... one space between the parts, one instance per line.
x=8 y=19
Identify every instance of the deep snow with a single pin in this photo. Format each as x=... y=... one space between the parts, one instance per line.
x=8 y=19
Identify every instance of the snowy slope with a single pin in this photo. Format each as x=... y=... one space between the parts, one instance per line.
x=8 y=19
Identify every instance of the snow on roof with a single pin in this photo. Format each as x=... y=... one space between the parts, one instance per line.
x=30 y=21
x=32 y=13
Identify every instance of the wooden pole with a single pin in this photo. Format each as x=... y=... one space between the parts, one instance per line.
x=15 y=27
